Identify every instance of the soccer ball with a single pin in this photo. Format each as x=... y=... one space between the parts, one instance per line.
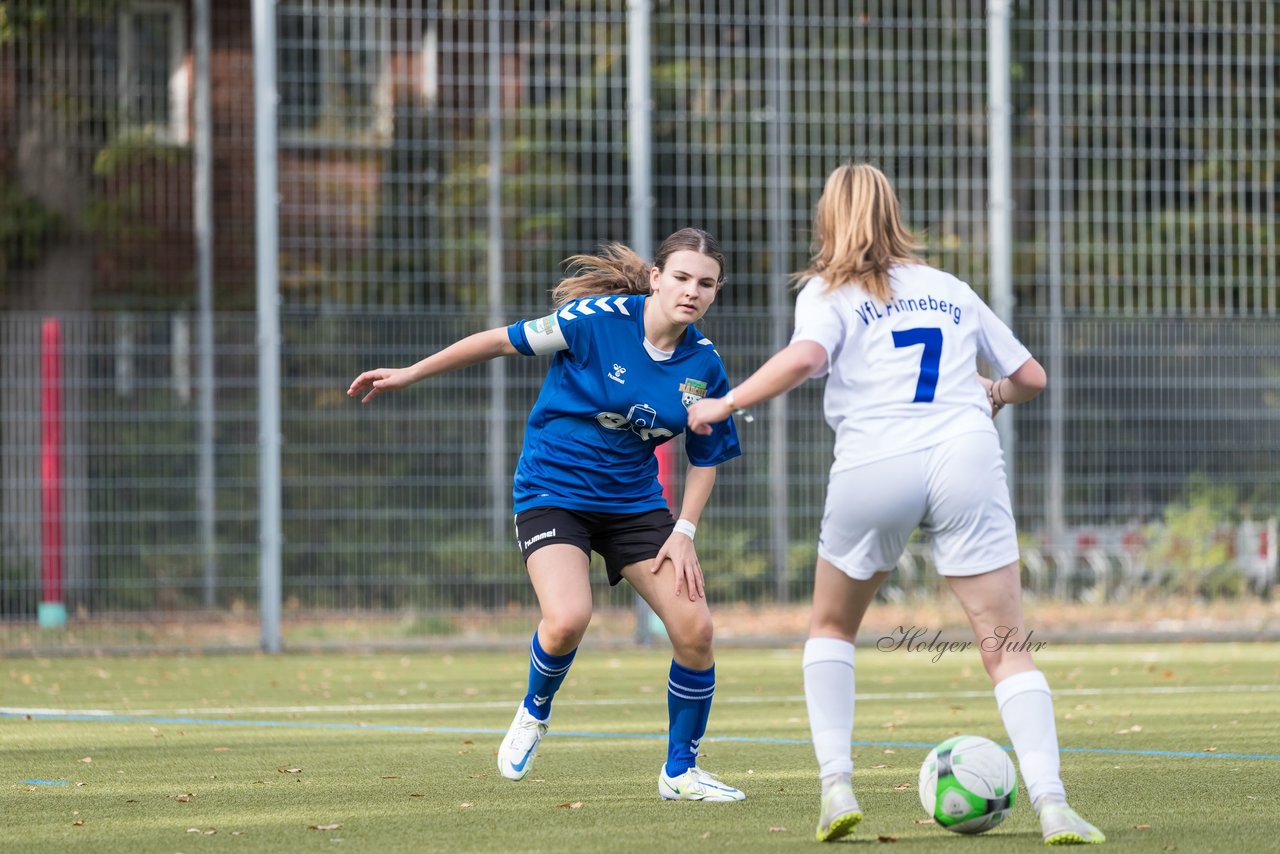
x=967 y=784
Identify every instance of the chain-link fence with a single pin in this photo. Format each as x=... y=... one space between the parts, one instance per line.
x=438 y=160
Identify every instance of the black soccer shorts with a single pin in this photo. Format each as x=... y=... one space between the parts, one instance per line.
x=620 y=538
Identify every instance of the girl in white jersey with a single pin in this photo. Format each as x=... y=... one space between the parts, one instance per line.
x=915 y=448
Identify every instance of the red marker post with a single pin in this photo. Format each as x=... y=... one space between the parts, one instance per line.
x=650 y=624
x=52 y=612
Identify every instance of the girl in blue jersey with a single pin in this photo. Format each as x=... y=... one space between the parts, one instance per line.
x=626 y=364
x=915 y=448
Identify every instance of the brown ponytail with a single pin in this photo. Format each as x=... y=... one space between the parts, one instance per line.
x=616 y=269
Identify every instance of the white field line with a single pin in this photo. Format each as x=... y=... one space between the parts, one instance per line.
x=654 y=698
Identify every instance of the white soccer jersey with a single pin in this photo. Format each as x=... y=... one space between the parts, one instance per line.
x=903 y=374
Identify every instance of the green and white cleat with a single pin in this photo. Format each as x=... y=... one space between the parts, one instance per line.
x=515 y=755
x=696 y=785
x=840 y=813
x=1063 y=826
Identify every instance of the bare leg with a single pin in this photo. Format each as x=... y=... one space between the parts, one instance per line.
x=559 y=573
x=839 y=604
x=688 y=622
x=690 y=684
x=993 y=603
x=559 y=576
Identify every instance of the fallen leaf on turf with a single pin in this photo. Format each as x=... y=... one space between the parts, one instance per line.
x=467 y=805
x=891 y=751
x=78 y=823
x=184 y=799
x=467 y=741
x=925 y=821
x=289 y=770
x=221 y=749
x=1142 y=827
x=390 y=777
x=87 y=760
x=576 y=805
x=705 y=835
x=886 y=839
x=475 y=776
x=323 y=826
x=902 y=787
x=881 y=765
x=777 y=830
x=78 y=783
x=416 y=795
x=131 y=801
x=1211 y=750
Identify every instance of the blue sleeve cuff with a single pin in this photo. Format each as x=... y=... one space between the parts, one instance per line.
x=516 y=335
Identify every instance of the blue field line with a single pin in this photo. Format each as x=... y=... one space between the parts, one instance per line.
x=321 y=725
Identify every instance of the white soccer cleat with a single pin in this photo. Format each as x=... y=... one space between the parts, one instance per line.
x=696 y=785
x=515 y=755
x=840 y=813
x=1063 y=826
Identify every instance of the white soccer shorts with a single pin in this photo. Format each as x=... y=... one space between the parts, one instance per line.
x=955 y=491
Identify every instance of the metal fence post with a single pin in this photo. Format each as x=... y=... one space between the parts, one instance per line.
x=499 y=485
x=202 y=201
x=640 y=156
x=779 y=303
x=1000 y=193
x=265 y=99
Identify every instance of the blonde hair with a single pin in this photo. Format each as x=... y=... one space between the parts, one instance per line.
x=617 y=269
x=858 y=233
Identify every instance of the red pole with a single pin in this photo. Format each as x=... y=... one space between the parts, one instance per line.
x=53 y=611
x=666 y=474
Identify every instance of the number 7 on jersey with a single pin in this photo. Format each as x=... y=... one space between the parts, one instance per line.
x=931 y=338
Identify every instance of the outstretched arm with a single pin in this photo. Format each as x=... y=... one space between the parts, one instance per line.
x=787 y=369
x=679 y=548
x=472 y=350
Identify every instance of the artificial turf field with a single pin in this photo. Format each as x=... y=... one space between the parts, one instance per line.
x=1166 y=747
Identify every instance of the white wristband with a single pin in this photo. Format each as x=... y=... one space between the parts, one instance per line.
x=684 y=526
x=734 y=408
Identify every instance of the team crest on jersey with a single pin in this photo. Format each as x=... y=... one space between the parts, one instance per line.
x=691 y=391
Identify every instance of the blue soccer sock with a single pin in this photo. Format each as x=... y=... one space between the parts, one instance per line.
x=546 y=672
x=688 y=705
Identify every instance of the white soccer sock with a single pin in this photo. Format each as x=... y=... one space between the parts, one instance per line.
x=829 y=695
x=1026 y=706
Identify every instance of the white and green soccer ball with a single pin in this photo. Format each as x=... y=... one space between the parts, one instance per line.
x=967 y=784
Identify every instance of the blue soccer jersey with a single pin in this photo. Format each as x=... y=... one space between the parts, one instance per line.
x=606 y=403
